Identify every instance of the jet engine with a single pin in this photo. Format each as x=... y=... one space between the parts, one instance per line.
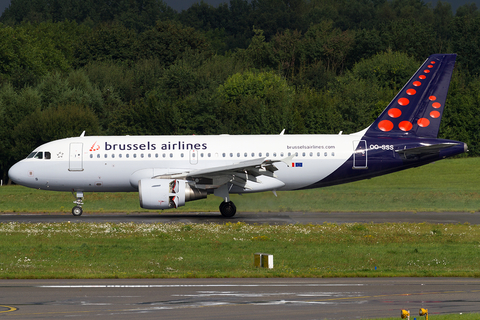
x=167 y=193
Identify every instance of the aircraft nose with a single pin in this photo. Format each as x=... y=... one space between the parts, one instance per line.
x=17 y=173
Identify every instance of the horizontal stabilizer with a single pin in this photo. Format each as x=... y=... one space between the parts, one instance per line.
x=424 y=151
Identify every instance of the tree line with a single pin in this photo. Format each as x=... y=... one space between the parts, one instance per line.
x=244 y=67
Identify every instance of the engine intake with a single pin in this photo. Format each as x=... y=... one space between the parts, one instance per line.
x=167 y=193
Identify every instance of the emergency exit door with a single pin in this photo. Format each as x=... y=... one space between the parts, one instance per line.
x=360 y=155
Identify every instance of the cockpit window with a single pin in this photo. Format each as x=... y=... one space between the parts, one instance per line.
x=40 y=155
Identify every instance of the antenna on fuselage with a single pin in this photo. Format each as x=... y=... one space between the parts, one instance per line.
x=83 y=134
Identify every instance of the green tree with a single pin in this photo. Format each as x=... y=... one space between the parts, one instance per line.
x=286 y=51
x=107 y=42
x=466 y=42
x=51 y=124
x=14 y=108
x=387 y=69
x=325 y=43
x=417 y=39
x=258 y=55
x=255 y=103
x=133 y=14
x=362 y=93
x=170 y=40
x=461 y=120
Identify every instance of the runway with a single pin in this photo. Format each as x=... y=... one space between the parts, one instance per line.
x=273 y=218
x=236 y=298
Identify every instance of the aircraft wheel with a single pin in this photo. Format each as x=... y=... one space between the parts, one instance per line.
x=227 y=209
x=77 y=211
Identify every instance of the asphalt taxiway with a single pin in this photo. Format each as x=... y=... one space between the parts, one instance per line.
x=237 y=298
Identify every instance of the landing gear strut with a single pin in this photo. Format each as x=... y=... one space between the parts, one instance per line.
x=227 y=209
x=77 y=210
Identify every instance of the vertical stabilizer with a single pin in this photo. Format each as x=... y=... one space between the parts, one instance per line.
x=418 y=108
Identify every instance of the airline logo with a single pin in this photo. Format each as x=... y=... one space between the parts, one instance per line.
x=95 y=147
x=149 y=146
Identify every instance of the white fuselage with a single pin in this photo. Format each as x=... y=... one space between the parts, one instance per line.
x=117 y=163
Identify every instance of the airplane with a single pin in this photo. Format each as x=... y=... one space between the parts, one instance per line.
x=168 y=171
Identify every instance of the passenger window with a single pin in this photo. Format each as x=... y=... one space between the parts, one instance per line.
x=149 y=155
x=141 y=155
x=274 y=154
x=209 y=155
x=223 y=154
x=164 y=155
x=134 y=155
x=127 y=155
x=318 y=154
x=253 y=154
x=238 y=155
x=106 y=155
x=281 y=154
x=325 y=154
x=171 y=155
x=289 y=154
x=231 y=155
x=120 y=155
x=333 y=154
x=311 y=154
x=245 y=155
x=267 y=154
x=303 y=154
x=181 y=155
x=98 y=155
x=201 y=154
x=260 y=154
x=113 y=156
x=91 y=155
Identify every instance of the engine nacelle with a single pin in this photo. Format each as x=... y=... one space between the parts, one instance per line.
x=167 y=193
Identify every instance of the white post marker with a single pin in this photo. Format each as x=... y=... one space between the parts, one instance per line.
x=263 y=260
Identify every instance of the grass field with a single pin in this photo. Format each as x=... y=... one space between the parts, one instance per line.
x=130 y=250
x=448 y=185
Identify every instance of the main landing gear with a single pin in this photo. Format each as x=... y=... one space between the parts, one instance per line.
x=227 y=209
x=77 y=210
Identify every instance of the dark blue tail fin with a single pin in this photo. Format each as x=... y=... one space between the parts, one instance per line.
x=417 y=109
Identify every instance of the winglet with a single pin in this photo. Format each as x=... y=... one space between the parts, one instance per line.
x=288 y=160
x=283 y=131
x=83 y=134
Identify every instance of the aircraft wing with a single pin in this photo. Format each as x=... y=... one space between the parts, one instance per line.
x=238 y=173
